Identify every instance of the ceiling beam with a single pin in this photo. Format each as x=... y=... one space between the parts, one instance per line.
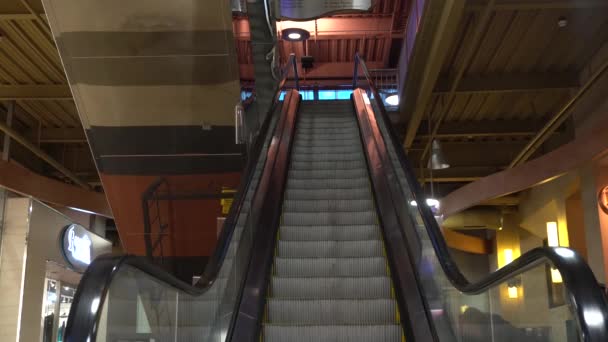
x=26 y=182
x=42 y=154
x=422 y=58
x=562 y=115
x=520 y=5
x=35 y=92
x=583 y=149
x=483 y=128
x=478 y=33
x=510 y=83
x=51 y=135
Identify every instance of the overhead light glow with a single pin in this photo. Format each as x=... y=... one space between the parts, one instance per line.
x=294 y=36
x=431 y=202
x=392 y=100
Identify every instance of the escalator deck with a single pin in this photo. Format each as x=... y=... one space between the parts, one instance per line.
x=330 y=279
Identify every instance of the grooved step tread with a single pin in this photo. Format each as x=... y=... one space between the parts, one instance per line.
x=332 y=333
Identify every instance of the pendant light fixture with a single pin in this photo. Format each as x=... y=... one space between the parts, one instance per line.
x=437 y=160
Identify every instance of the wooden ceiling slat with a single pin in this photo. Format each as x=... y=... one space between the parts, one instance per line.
x=491 y=42
x=572 y=37
x=12 y=68
x=597 y=33
x=46 y=45
x=511 y=40
x=472 y=108
x=33 y=70
x=478 y=114
x=56 y=108
x=25 y=105
x=52 y=70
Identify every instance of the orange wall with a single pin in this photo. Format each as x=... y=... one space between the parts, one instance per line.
x=192 y=223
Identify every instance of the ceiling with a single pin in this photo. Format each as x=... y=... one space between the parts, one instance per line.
x=517 y=71
x=31 y=75
x=520 y=72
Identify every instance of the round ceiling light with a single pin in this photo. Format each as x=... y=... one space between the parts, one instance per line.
x=295 y=34
x=392 y=100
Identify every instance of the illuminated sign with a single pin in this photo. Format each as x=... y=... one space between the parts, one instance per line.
x=603 y=199
x=77 y=246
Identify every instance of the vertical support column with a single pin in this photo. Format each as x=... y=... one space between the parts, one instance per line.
x=5 y=156
x=594 y=234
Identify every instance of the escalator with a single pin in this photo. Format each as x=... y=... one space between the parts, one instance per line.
x=323 y=244
x=330 y=280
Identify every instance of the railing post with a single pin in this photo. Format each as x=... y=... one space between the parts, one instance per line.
x=355 y=77
x=293 y=61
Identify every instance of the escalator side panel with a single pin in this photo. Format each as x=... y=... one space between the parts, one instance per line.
x=246 y=325
x=415 y=318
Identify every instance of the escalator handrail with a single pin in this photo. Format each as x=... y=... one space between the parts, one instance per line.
x=588 y=303
x=84 y=316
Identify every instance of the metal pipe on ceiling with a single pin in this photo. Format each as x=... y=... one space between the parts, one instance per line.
x=558 y=119
x=475 y=41
x=42 y=155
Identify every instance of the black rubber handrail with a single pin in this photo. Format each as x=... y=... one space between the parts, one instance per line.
x=85 y=312
x=588 y=303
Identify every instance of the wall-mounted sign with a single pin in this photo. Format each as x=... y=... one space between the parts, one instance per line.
x=80 y=246
x=310 y=9
x=603 y=199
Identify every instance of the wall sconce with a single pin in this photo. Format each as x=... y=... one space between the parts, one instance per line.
x=553 y=241
x=513 y=288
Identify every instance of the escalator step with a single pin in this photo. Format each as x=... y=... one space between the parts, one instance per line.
x=329 y=218
x=326 y=143
x=329 y=249
x=324 y=174
x=308 y=157
x=332 y=333
x=327 y=194
x=331 y=288
x=329 y=183
x=331 y=311
x=328 y=165
x=325 y=149
x=330 y=267
x=331 y=233
x=326 y=205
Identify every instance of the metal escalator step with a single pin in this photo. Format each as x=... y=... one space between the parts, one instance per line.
x=325 y=149
x=325 y=136
x=324 y=143
x=331 y=311
x=329 y=249
x=307 y=157
x=331 y=288
x=329 y=218
x=327 y=194
x=325 y=174
x=329 y=183
x=329 y=129
x=331 y=233
x=330 y=267
x=332 y=333
x=328 y=205
x=328 y=165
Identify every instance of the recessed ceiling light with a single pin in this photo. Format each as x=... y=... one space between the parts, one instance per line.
x=392 y=100
x=562 y=22
x=295 y=34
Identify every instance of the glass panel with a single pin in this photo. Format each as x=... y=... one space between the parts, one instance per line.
x=529 y=307
x=140 y=308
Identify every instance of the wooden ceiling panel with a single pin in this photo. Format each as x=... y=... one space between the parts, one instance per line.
x=491 y=42
x=512 y=38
